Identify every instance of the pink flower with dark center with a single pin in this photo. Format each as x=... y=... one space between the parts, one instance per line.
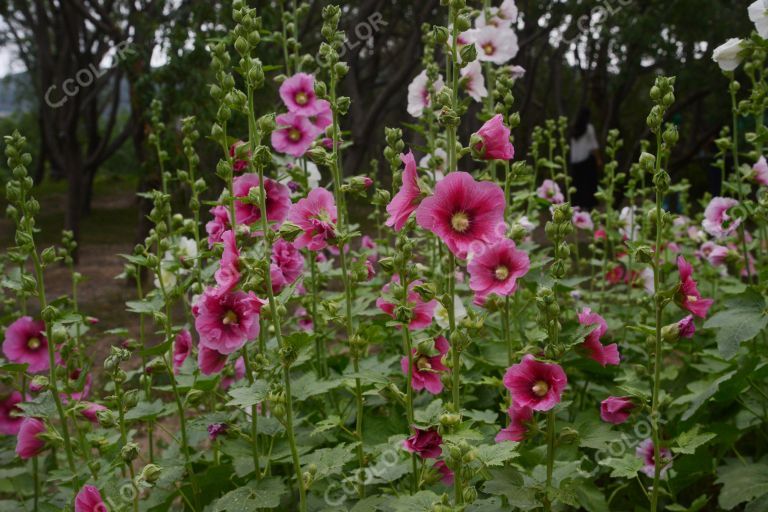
x=83 y=388
x=239 y=374
x=10 y=414
x=494 y=140
x=582 y=220
x=463 y=212
x=474 y=81
x=494 y=44
x=645 y=451
x=418 y=93
x=316 y=215
x=216 y=227
x=422 y=311
x=407 y=198
x=225 y=322
x=616 y=409
x=89 y=500
x=91 y=411
x=287 y=264
x=28 y=442
x=447 y=475
x=425 y=443
x=277 y=198
x=615 y=275
x=182 y=347
x=323 y=119
x=519 y=417
x=686 y=327
x=550 y=191
x=228 y=274
x=716 y=221
x=298 y=94
x=237 y=164
x=496 y=269
x=688 y=294
x=603 y=354
x=427 y=368
x=210 y=361
x=535 y=384
x=25 y=342
x=760 y=172
x=294 y=134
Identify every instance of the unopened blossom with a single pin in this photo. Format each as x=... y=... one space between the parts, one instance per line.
x=225 y=322
x=727 y=54
x=603 y=354
x=238 y=165
x=89 y=500
x=497 y=268
x=463 y=212
x=407 y=198
x=316 y=215
x=716 y=221
x=423 y=312
x=516 y=72
x=760 y=171
x=493 y=140
x=550 y=191
x=686 y=327
x=474 y=80
x=286 y=266
x=758 y=14
x=494 y=44
x=616 y=409
x=535 y=384
x=427 y=368
x=582 y=219
x=645 y=450
x=28 y=442
x=182 y=347
x=294 y=134
x=277 y=199
x=25 y=343
x=210 y=361
x=425 y=443
x=519 y=417
x=10 y=414
x=688 y=294
x=216 y=227
x=418 y=93
x=91 y=411
x=217 y=429
x=446 y=474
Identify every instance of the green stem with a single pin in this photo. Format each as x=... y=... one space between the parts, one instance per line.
x=550 y=457
x=737 y=173
x=254 y=417
x=657 y=341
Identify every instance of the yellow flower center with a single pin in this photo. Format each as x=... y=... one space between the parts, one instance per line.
x=33 y=343
x=488 y=49
x=301 y=98
x=501 y=272
x=692 y=298
x=460 y=222
x=423 y=363
x=540 y=388
x=230 y=317
x=294 y=135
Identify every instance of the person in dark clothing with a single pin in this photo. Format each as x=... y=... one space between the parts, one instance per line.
x=585 y=161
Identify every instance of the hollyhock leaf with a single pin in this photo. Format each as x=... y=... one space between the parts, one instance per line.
x=741 y=482
x=743 y=319
x=624 y=467
x=508 y=482
x=147 y=306
x=590 y=497
x=14 y=367
x=463 y=433
x=385 y=473
x=697 y=505
x=701 y=391
x=496 y=454
x=328 y=461
x=489 y=417
x=759 y=505
x=594 y=434
x=330 y=423
x=147 y=410
x=246 y=397
x=430 y=415
x=687 y=442
x=422 y=501
x=270 y=426
x=42 y=406
x=308 y=385
x=370 y=504
x=265 y=493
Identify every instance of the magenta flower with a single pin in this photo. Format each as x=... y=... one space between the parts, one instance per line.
x=760 y=171
x=496 y=269
x=239 y=374
x=645 y=452
x=276 y=195
x=287 y=264
x=74 y=378
x=407 y=198
x=550 y=191
x=422 y=311
x=463 y=212
x=298 y=94
x=686 y=327
x=182 y=347
x=217 y=429
x=603 y=354
x=535 y=384
x=582 y=220
x=427 y=369
x=716 y=221
x=228 y=274
x=519 y=417
x=494 y=141
x=323 y=119
x=91 y=411
x=210 y=361
x=89 y=500
x=226 y=321
x=716 y=254
x=294 y=134
x=28 y=442
x=216 y=227
x=316 y=215
x=25 y=342
x=688 y=294
x=425 y=443
x=446 y=475
x=304 y=319
x=616 y=409
x=10 y=414
x=237 y=164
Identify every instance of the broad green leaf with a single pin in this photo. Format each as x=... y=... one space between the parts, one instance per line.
x=422 y=501
x=246 y=397
x=251 y=497
x=625 y=467
x=308 y=385
x=496 y=454
x=701 y=391
x=145 y=410
x=741 y=482
x=744 y=317
x=431 y=414
x=328 y=461
x=687 y=442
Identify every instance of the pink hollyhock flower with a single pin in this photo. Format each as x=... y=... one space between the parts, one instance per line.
x=582 y=220
x=298 y=94
x=496 y=269
x=474 y=81
x=519 y=417
x=228 y=274
x=615 y=275
x=494 y=140
x=216 y=227
x=287 y=264
x=237 y=164
x=516 y=72
x=616 y=409
x=422 y=311
x=217 y=429
x=91 y=411
x=367 y=242
x=645 y=452
x=28 y=442
x=316 y=215
x=25 y=342
x=89 y=500
x=716 y=221
x=760 y=172
x=294 y=134
x=425 y=443
x=74 y=377
x=603 y=354
x=426 y=369
x=686 y=327
x=407 y=198
x=535 y=384
x=182 y=347
x=447 y=475
x=494 y=44
x=210 y=361
x=673 y=248
x=277 y=198
x=239 y=374
x=550 y=191
x=688 y=294
x=718 y=254
x=305 y=320
x=226 y=321
x=323 y=119
x=463 y=212
x=10 y=414
x=418 y=93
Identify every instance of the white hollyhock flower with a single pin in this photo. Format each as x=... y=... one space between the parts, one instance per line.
x=494 y=44
x=187 y=249
x=628 y=225
x=727 y=54
x=503 y=16
x=441 y=314
x=418 y=93
x=440 y=159
x=516 y=72
x=758 y=13
x=475 y=81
